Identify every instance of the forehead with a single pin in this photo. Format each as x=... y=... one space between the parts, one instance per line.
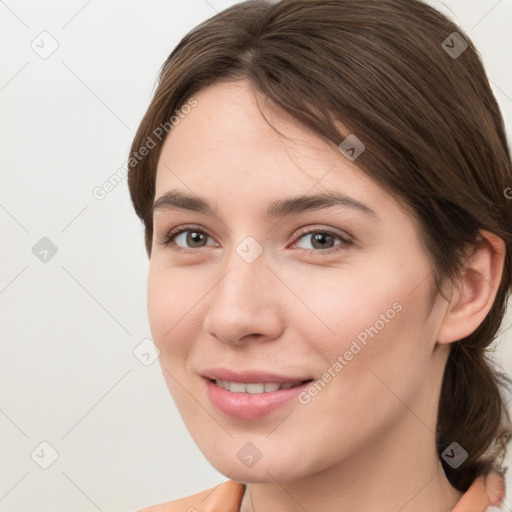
x=224 y=148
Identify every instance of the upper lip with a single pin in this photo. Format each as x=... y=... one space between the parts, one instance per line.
x=249 y=376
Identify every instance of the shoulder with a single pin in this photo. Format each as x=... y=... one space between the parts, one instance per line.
x=228 y=495
x=485 y=494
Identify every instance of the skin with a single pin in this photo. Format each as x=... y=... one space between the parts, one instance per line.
x=368 y=438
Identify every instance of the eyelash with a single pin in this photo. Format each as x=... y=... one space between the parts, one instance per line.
x=168 y=240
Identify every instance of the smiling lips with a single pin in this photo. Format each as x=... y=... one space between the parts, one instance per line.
x=252 y=394
x=256 y=387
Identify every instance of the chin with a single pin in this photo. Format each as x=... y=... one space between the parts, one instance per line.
x=254 y=474
x=267 y=469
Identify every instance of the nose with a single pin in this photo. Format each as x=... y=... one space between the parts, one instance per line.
x=244 y=304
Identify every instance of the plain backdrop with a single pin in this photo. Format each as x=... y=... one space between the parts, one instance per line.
x=86 y=423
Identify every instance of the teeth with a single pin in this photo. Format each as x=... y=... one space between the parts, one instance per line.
x=237 y=387
x=256 y=387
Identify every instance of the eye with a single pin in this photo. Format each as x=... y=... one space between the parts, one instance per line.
x=323 y=241
x=192 y=237
x=185 y=237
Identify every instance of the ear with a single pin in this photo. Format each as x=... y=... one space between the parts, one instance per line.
x=473 y=295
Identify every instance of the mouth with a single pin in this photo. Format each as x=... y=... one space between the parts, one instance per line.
x=252 y=400
x=257 y=387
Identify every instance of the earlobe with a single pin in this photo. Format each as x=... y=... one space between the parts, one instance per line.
x=474 y=293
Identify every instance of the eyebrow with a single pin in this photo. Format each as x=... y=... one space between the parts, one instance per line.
x=175 y=199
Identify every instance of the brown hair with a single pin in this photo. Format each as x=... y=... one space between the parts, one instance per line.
x=434 y=136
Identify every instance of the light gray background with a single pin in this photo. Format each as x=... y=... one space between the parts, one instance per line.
x=69 y=326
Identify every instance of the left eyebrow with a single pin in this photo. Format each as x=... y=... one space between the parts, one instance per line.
x=175 y=199
x=299 y=204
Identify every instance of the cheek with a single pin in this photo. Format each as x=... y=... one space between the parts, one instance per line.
x=342 y=303
x=373 y=316
x=386 y=347
x=172 y=300
x=159 y=302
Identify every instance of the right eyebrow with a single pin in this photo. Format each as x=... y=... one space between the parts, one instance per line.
x=174 y=199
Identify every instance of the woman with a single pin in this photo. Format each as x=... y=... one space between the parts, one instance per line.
x=323 y=190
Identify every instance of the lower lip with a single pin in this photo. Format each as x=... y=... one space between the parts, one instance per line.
x=250 y=406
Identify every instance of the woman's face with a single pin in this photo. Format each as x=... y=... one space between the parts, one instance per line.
x=334 y=291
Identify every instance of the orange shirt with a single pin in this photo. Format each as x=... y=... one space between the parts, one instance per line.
x=227 y=497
